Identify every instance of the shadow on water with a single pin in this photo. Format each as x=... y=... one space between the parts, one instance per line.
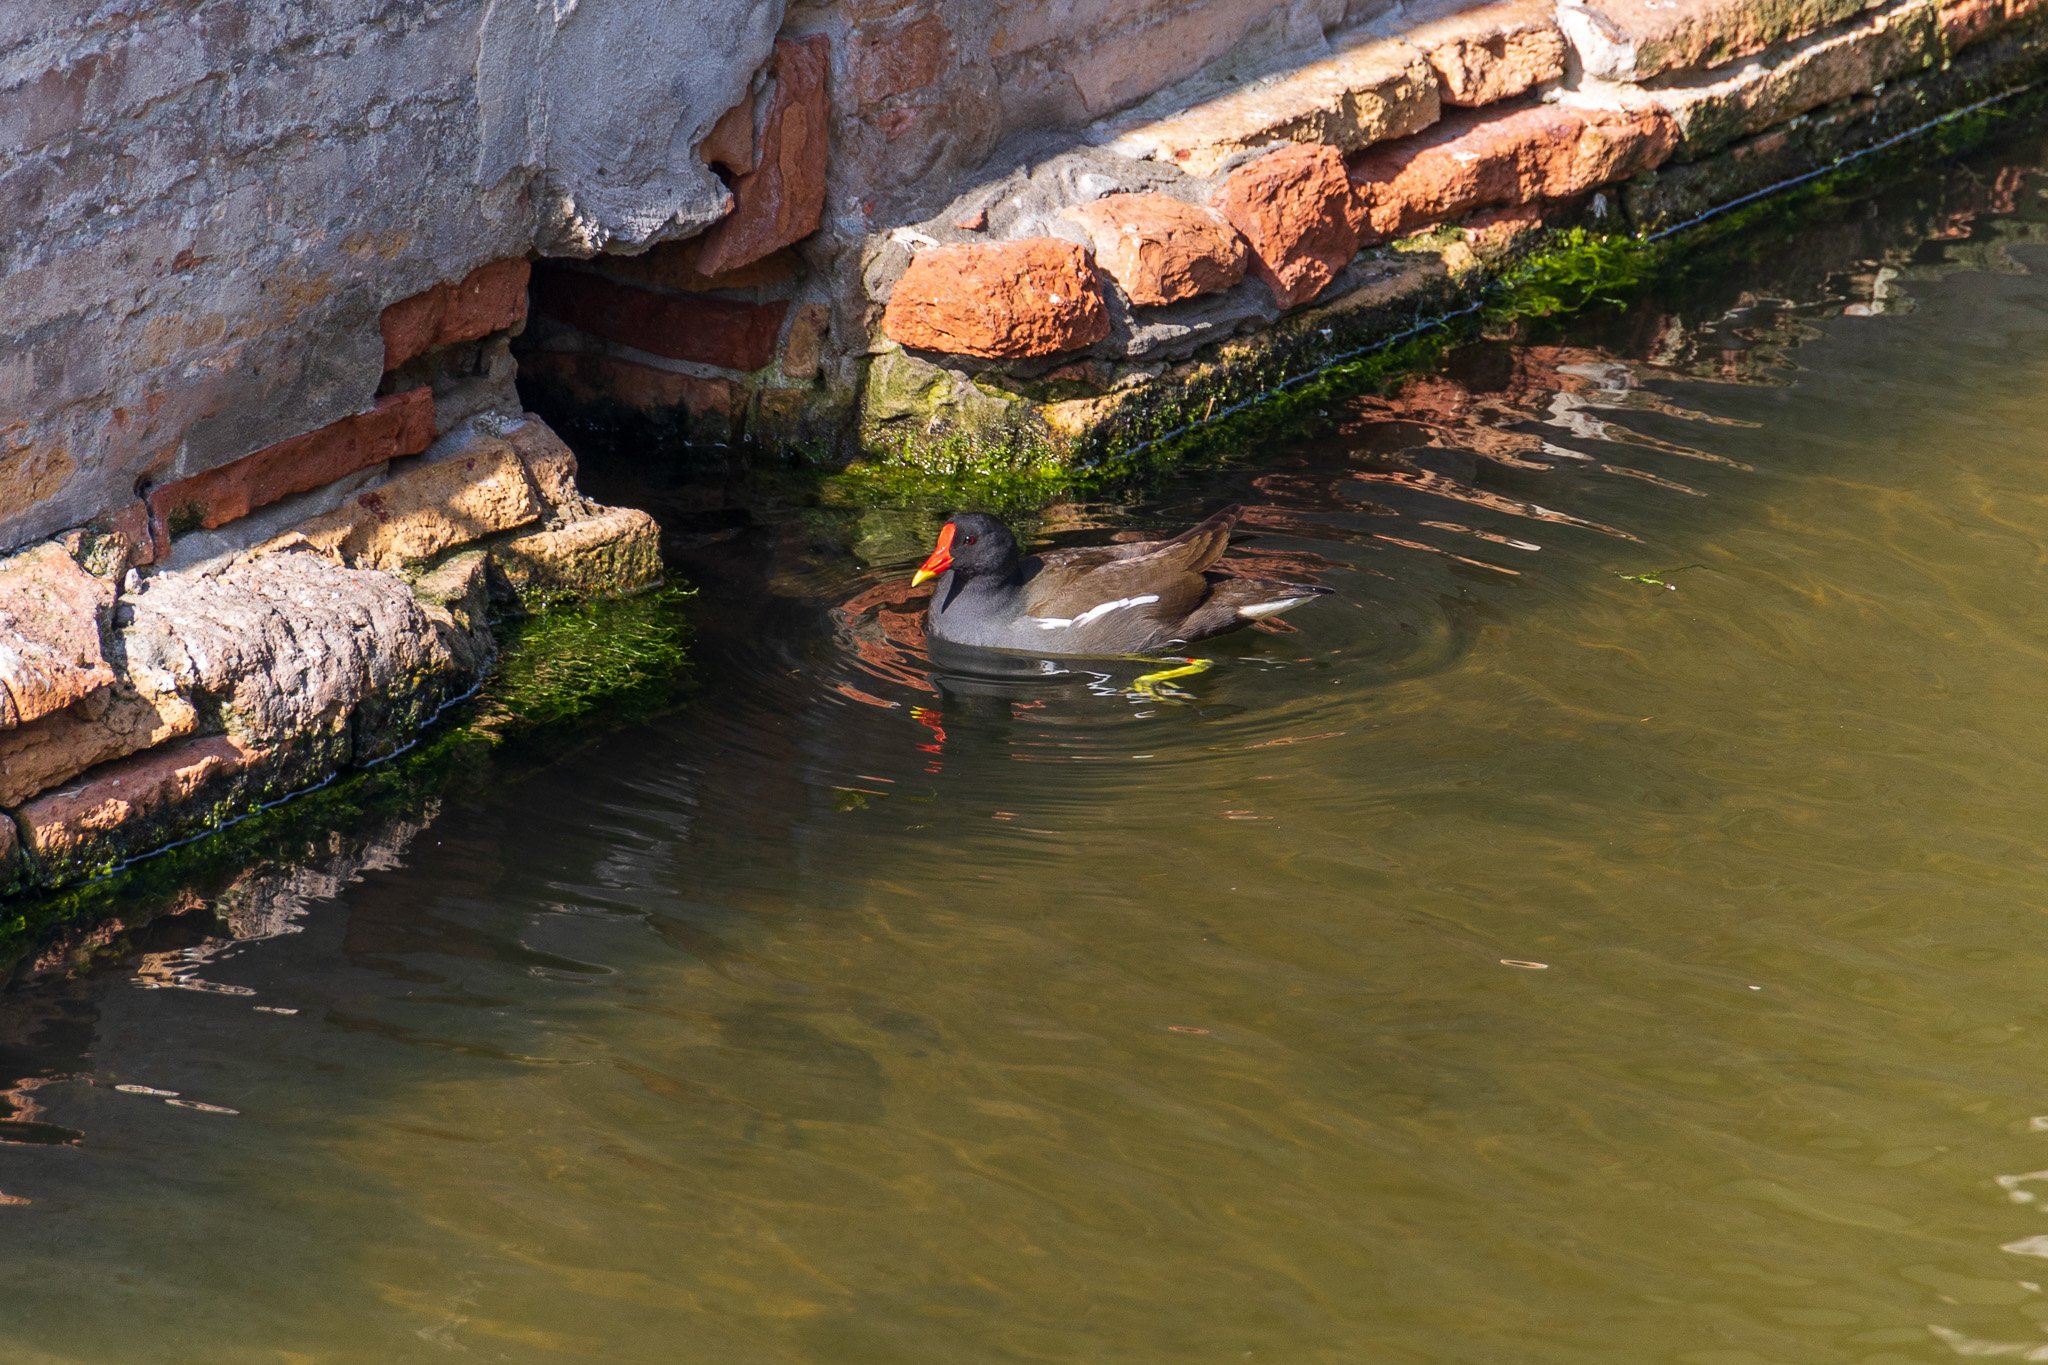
x=842 y=1014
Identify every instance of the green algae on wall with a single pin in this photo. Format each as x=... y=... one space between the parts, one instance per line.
x=1400 y=324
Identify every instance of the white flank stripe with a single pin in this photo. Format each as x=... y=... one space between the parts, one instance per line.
x=1107 y=607
x=1060 y=622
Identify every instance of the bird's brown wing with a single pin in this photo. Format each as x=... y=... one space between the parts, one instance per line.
x=1192 y=551
x=1117 y=608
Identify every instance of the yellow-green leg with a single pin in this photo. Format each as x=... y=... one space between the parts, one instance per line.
x=1156 y=685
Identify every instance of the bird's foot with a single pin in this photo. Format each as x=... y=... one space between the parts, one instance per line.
x=1158 y=685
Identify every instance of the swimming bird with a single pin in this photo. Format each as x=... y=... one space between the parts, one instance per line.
x=1097 y=601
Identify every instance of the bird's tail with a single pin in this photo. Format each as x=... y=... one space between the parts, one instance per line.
x=1255 y=600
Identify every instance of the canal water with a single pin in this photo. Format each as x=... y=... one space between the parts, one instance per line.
x=1612 y=928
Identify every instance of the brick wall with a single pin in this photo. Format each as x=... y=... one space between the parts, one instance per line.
x=205 y=207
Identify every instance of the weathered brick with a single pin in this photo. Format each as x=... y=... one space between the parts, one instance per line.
x=50 y=651
x=781 y=200
x=1967 y=21
x=1633 y=40
x=730 y=143
x=804 y=344
x=612 y=554
x=491 y=298
x=115 y=723
x=408 y=519
x=898 y=57
x=1359 y=96
x=706 y=331
x=1473 y=161
x=549 y=463
x=131 y=523
x=1160 y=250
x=998 y=300
x=1294 y=208
x=133 y=805
x=1713 y=109
x=1491 y=52
x=402 y=424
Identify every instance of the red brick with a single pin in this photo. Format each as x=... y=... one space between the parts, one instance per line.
x=402 y=424
x=1473 y=161
x=1967 y=21
x=123 y=807
x=131 y=523
x=50 y=654
x=998 y=300
x=782 y=199
x=898 y=58
x=1294 y=207
x=113 y=724
x=1160 y=250
x=491 y=298
x=1492 y=51
x=705 y=331
x=730 y=143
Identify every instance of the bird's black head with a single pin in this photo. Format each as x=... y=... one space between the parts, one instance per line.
x=971 y=544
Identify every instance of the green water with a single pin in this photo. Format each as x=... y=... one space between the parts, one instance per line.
x=1613 y=929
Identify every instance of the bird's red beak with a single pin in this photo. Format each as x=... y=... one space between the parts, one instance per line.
x=940 y=560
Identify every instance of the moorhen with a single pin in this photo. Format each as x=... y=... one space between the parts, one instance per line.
x=1101 y=600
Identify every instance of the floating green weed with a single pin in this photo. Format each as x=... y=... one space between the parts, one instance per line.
x=1658 y=578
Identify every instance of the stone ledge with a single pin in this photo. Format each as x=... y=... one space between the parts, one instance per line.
x=1363 y=94
x=477 y=489
x=123 y=720
x=1679 y=193
x=267 y=672
x=1635 y=40
x=613 y=553
x=138 y=803
x=1712 y=109
x=1547 y=152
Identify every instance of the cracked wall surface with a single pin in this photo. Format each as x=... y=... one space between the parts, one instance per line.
x=205 y=207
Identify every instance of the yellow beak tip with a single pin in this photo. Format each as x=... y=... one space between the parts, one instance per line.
x=922 y=577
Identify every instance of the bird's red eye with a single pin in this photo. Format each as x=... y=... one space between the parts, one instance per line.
x=970 y=540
